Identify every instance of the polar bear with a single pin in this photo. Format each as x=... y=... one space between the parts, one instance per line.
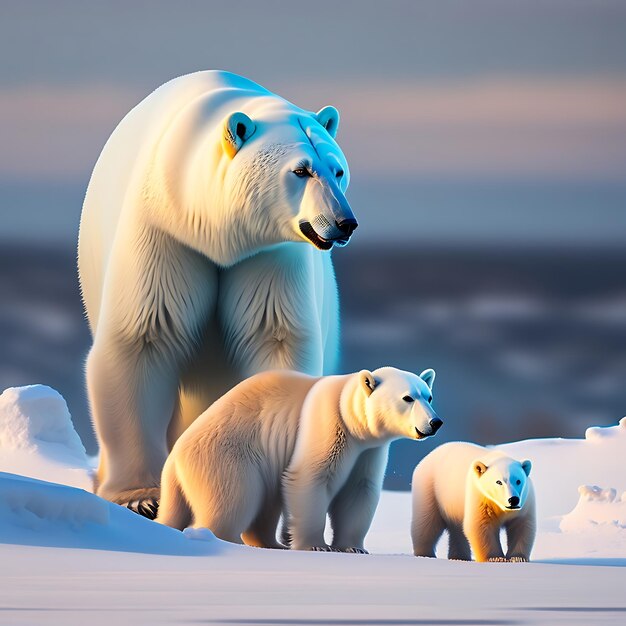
x=473 y=492
x=284 y=442
x=193 y=265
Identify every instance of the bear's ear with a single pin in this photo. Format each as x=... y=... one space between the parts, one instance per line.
x=428 y=376
x=237 y=128
x=527 y=466
x=328 y=117
x=480 y=468
x=366 y=378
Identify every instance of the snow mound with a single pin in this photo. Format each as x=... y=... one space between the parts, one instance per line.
x=599 y=433
x=34 y=416
x=597 y=508
x=37 y=437
x=33 y=512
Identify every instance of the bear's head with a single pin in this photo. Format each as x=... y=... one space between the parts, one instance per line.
x=398 y=403
x=503 y=481
x=287 y=176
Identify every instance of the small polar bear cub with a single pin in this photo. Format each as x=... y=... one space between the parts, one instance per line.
x=473 y=492
x=305 y=447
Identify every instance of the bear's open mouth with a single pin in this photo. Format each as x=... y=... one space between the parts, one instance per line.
x=513 y=508
x=319 y=242
x=419 y=434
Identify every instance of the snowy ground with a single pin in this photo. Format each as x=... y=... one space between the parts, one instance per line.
x=67 y=557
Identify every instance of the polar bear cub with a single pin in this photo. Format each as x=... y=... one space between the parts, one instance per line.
x=473 y=492
x=305 y=447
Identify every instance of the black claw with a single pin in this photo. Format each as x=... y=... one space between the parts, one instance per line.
x=145 y=508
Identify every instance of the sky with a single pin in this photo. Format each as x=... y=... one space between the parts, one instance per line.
x=487 y=99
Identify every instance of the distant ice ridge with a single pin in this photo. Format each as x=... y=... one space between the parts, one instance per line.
x=38 y=439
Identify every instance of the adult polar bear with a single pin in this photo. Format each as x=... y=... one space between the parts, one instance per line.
x=191 y=262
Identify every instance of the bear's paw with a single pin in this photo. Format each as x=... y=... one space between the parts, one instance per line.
x=353 y=550
x=145 y=508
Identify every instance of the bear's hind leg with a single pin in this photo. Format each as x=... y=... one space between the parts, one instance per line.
x=427 y=524
x=262 y=531
x=228 y=503
x=458 y=545
x=174 y=510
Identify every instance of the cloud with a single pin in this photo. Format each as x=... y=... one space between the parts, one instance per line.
x=499 y=127
x=532 y=127
x=56 y=133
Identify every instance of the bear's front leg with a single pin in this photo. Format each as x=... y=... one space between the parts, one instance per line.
x=307 y=503
x=352 y=510
x=483 y=536
x=521 y=537
x=132 y=397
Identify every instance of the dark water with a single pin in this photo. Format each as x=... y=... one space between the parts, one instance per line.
x=526 y=343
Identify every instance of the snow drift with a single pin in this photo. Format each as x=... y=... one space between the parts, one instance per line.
x=38 y=440
x=37 y=513
x=37 y=437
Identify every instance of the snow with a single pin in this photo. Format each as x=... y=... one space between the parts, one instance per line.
x=37 y=437
x=596 y=508
x=68 y=557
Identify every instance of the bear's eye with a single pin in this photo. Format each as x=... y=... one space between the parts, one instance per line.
x=301 y=172
x=407 y=399
x=498 y=482
x=339 y=174
x=519 y=482
x=430 y=399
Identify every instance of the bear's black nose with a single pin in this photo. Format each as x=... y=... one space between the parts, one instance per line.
x=347 y=226
x=514 y=501
x=435 y=424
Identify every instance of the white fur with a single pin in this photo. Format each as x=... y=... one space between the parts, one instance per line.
x=325 y=438
x=193 y=267
x=455 y=488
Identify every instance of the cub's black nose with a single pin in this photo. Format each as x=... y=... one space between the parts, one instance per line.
x=435 y=424
x=514 y=501
x=347 y=226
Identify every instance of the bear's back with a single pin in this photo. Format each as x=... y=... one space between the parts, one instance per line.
x=261 y=413
x=444 y=471
x=118 y=178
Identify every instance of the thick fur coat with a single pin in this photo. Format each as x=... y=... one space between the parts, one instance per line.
x=301 y=446
x=473 y=492
x=203 y=259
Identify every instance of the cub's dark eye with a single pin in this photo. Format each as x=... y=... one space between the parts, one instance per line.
x=430 y=399
x=498 y=482
x=301 y=172
x=519 y=482
x=339 y=174
x=407 y=399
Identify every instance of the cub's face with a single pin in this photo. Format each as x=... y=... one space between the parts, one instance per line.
x=504 y=482
x=291 y=176
x=398 y=403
